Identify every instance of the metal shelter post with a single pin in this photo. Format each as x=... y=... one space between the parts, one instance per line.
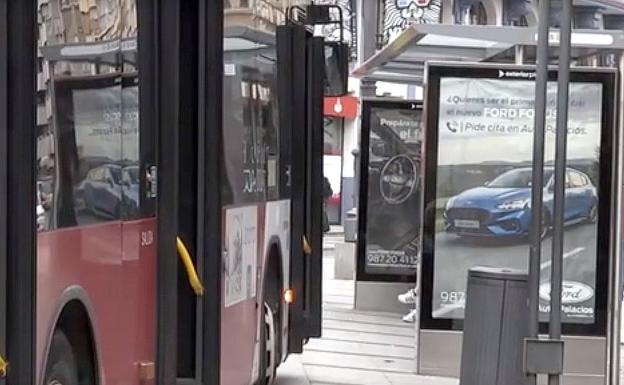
x=538 y=170
x=613 y=334
x=563 y=84
x=519 y=54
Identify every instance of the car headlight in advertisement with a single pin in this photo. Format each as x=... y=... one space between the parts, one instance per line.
x=515 y=205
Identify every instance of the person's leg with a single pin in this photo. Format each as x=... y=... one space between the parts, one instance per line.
x=326 y=227
x=409 y=297
x=411 y=316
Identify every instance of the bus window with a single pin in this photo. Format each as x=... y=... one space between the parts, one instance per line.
x=89 y=156
x=131 y=138
x=79 y=114
x=130 y=148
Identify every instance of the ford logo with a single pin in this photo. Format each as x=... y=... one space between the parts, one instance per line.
x=572 y=292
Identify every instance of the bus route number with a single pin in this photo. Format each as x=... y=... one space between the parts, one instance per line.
x=147 y=238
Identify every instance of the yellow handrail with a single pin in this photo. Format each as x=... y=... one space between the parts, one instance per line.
x=3 y=367
x=193 y=278
x=306 y=246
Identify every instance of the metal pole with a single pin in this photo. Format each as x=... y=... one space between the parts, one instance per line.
x=519 y=54
x=563 y=85
x=538 y=169
x=613 y=362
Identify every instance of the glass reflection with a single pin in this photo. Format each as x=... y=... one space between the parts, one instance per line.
x=79 y=112
x=130 y=138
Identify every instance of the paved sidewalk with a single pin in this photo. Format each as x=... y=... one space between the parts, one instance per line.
x=357 y=348
x=292 y=372
x=335 y=234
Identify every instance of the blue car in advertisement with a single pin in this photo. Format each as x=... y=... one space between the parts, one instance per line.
x=502 y=207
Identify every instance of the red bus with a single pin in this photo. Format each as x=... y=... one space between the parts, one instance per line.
x=135 y=126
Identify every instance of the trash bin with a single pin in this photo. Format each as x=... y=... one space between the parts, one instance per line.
x=495 y=326
x=350 y=225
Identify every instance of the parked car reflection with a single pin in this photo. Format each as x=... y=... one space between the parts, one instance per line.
x=43 y=200
x=130 y=187
x=100 y=191
x=110 y=191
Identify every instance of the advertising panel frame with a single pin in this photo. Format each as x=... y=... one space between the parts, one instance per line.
x=605 y=76
x=367 y=107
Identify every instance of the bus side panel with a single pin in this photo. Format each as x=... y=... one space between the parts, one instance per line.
x=87 y=264
x=277 y=230
x=239 y=313
x=83 y=260
x=139 y=293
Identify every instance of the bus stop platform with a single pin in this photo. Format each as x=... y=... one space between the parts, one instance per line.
x=357 y=347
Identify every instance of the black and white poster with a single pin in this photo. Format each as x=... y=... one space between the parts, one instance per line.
x=240 y=254
x=400 y=14
x=392 y=222
x=483 y=190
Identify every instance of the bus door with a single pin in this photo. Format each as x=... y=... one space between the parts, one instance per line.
x=17 y=122
x=315 y=182
x=198 y=201
x=300 y=85
x=3 y=183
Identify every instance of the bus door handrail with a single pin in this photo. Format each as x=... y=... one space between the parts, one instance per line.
x=4 y=365
x=191 y=272
x=307 y=249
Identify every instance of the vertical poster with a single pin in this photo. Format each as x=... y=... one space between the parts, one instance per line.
x=392 y=220
x=483 y=190
x=240 y=254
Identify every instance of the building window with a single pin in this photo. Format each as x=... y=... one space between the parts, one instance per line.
x=470 y=12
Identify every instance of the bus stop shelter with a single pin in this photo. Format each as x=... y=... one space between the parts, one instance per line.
x=404 y=60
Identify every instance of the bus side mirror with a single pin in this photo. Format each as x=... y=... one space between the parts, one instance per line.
x=336 y=68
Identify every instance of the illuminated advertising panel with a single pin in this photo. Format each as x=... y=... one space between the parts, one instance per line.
x=478 y=188
x=390 y=191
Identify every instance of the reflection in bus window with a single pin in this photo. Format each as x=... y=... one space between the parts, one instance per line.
x=87 y=113
x=130 y=186
x=251 y=136
x=88 y=119
x=79 y=113
x=131 y=207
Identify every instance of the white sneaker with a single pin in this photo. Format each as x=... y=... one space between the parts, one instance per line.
x=409 y=297
x=411 y=316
